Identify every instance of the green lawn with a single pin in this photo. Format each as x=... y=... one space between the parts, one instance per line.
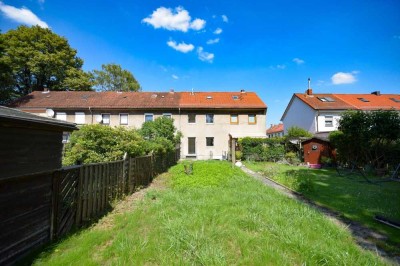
x=217 y=216
x=350 y=195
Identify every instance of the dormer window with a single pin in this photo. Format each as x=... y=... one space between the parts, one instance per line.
x=363 y=100
x=326 y=99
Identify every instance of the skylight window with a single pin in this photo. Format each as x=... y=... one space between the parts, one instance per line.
x=235 y=97
x=395 y=100
x=363 y=100
x=326 y=99
x=209 y=97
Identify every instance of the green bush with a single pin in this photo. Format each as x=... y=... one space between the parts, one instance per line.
x=238 y=155
x=259 y=149
x=300 y=181
x=292 y=158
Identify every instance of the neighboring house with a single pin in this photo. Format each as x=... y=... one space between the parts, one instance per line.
x=207 y=120
x=29 y=143
x=275 y=131
x=320 y=113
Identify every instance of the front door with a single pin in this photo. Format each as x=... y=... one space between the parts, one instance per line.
x=191 y=145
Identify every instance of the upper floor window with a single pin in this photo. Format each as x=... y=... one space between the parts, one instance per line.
x=191 y=118
x=167 y=115
x=80 y=118
x=209 y=118
x=105 y=119
x=235 y=119
x=61 y=116
x=252 y=119
x=148 y=117
x=123 y=119
x=329 y=121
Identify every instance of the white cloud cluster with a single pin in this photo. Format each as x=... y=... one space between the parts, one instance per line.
x=175 y=77
x=181 y=47
x=174 y=19
x=218 y=31
x=22 y=15
x=298 y=61
x=213 y=41
x=225 y=18
x=204 y=56
x=344 y=78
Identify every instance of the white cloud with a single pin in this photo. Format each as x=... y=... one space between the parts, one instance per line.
x=344 y=78
x=174 y=19
x=205 y=56
x=181 y=47
x=298 y=61
x=175 y=77
x=218 y=31
x=225 y=18
x=22 y=15
x=213 y=41
x=280 y=66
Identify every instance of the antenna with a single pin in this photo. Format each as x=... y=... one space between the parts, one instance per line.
x=309 y=83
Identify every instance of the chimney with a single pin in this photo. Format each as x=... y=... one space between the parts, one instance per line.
x=377 y=93
x=171 y=90
x=242 y=91
x=309 y=90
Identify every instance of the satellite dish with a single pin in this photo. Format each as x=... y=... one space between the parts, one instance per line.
x=50 y=112
x=99 y=118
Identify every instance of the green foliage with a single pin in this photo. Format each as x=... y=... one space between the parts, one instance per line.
x=368 y=137
x=112 y=77
x=98 y=143
x=258 y=149
x=238 y=155
x=38 y=58
x=297 y=132
x=292 y=158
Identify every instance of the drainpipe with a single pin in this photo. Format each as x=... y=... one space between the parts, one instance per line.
x=91 y=114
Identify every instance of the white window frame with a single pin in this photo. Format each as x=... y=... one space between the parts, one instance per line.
x=210 y=123
x=168 y=115
x=329 y=121
x=61 y=116
x=80 y=118
x=152 y=117
x=65 y=137
x=194 y=119
x=103 y=115
x=127 y=119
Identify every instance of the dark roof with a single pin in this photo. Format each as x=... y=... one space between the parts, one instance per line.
x=9 y=115
x=139 y=100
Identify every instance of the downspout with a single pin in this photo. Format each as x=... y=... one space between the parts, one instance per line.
x=91 y=114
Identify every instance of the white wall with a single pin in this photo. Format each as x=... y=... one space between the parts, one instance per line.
x=321 y=121
x=301 y=115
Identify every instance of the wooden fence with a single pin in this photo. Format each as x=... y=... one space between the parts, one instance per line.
x=42 y=207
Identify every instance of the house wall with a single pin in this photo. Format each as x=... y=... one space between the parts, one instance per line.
x=301 y=115
x=321 y=121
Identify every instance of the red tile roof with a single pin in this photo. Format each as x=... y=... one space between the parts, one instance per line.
x=139 y=100
x=351 y=101
x=275 y=129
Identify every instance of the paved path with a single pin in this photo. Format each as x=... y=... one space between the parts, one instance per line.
x=364 y=236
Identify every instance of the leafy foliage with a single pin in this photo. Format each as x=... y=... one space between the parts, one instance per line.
x=297 y=132
x=270 y=149
x=37 y=58
x=368 y=137
x=113 y=78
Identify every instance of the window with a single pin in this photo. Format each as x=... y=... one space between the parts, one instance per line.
x=191 y=118
x=191 y=145
x=61 y=116
x=167 y=115
x=363 y=100
x=395 y=100
x=329 y=121
x=235 y=119
x=123 y=119
x=105 y=119
x=252 y=119
x=235 y=97
x=209 y=118
x=65 y=137
x=209 y=141
x=80 y=118
x=326 y=99
x=148 y=117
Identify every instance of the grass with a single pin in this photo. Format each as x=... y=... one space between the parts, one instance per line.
x=351 y=196
x=217 y=216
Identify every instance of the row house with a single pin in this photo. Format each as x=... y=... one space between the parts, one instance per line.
x=320 y=113
x=209 y=121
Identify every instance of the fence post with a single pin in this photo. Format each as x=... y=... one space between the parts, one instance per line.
x=126 y=174
x=54 y=204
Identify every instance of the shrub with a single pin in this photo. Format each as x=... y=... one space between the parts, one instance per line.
x=238 y=155
x=259 y=149
x=292 y=158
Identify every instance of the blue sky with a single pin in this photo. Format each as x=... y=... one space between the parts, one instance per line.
x=269 y=47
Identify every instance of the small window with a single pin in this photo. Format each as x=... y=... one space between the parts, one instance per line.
x=148 y=117
x=209 y=118
x=167 y=115
x=235 y=97
x=80 y=118
x=329 y=121
x=363 y=100
x=61 y=116
x=123 y=119
x=395 y=100
x=105 y=119
x=326 y=99
x=209 y=141
x=252 y=119
x=235 y=119
x=191 y=118
x=65 y=137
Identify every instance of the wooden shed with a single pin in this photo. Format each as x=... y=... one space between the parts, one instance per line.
x=315 y=148
x=30 y=143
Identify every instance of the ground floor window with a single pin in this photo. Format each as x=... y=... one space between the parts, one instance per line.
x=191 y=145
x=209 y=141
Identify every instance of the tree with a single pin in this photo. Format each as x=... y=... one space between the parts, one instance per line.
x=6 y=91
x=113 y=78
x=297 y=132
x=38 y=59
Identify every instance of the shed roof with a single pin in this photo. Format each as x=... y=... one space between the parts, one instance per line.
x=12 y=116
